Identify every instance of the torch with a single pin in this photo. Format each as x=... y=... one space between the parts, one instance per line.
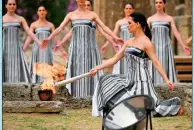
x=46 y=94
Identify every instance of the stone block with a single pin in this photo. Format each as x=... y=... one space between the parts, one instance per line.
x=33 y=106
x=16 y=92
x=164 y=92
x=61 y=93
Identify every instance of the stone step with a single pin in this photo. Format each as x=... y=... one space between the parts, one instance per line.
x=16 y=92
x=33 y=106
x=28 y=92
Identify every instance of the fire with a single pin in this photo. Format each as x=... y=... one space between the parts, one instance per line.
x=51 y=73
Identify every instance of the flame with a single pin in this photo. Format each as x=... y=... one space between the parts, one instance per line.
x=51 y=73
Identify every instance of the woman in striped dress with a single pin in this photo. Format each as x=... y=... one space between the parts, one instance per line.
x=113 y=88
x=67 y=37
x=82 y=51
x=161 y=24
x=14 y=65
x=42 y=28
x=88 y=6
x=121 y=26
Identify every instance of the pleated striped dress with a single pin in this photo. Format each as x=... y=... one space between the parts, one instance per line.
x=96 y=54
x=14 y=66
x=113 y=88
x=40 y=55
x=83 y=56
x=163 y=49
x=121 y=66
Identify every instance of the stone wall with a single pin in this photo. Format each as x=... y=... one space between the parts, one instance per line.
x=182 y=90
x=28 y=96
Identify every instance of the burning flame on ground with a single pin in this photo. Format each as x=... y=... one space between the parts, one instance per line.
x=51 y=73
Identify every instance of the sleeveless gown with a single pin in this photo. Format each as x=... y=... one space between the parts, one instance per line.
x=163 y=49
x=121 y=66
x=14 y=66
x=113 y=88
x=83 y=56
x=40 y=55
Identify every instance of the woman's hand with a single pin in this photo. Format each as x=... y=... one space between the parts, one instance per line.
x=93 y=71
x=44 y=43
x=116 y=47
x=171 y=85
x=119 y=41
x=64 y=53
x=187 y=50
x=24 y=48
x=103 y=49
x=56 y=47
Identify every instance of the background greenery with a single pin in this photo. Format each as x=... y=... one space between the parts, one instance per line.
x=27 y=8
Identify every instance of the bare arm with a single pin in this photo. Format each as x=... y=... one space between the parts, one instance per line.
x=149 y=48
x=112 y=60
x=56 y=42
x=56 y=38
x=108 y=38
x=148 y=21
x=116 y=31
x=29 y=32
x=189 y=40
x=104 y=27
x=28 y=40
x=178 y=36
x=61 y=27
x=66 y=38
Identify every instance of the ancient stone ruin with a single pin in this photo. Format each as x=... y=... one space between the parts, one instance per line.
x=24 y=98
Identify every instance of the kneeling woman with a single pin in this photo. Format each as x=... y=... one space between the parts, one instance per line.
x=113 y=88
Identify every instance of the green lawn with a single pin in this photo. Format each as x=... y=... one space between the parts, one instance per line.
x=79 y=119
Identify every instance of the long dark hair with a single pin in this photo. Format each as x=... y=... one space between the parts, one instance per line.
x=132 y=5
x=141 y=19
x=163 y=1
x=90 y=2
x=6 y=1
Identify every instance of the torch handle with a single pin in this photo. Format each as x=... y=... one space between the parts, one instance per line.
x=63 y=82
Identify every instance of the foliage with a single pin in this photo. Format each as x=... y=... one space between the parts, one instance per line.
x=28 y=9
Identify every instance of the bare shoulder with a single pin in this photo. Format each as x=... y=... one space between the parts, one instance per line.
x=94 y=14
x=118 y=23
x=4 y=17
x=33 y=24
x=20 y=18
x=70 y=14
x=147 y=43
x=150 y=19
x=129 y=42
x=169 y=18
x=50 y=24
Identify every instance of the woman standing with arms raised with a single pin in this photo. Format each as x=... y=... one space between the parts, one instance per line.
x=161 y=24
x=88 y=6
x=122 y=28
x=14 y=65
x=80 y=58
x=42 y=29
x=95 y=53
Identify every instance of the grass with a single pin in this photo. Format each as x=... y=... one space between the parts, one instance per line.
x=79 y=119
